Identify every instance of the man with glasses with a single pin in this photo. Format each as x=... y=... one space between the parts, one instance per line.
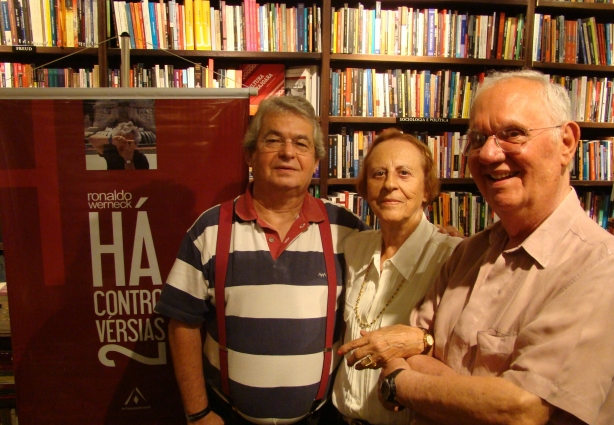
x=521 y=313
x=271 y=322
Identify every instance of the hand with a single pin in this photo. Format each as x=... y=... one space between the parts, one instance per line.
x=125 y=147
x=390 y=367
x=382 y=345
x=449 y=230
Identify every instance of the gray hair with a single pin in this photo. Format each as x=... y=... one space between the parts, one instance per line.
x=125 y=128
x=554 y=96
x=296 y=105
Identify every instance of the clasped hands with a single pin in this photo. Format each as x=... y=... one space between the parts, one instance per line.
x=375 y=348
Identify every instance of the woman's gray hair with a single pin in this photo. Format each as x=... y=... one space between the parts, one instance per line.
x=296 y=105
x=553 y=95
x=125 y=128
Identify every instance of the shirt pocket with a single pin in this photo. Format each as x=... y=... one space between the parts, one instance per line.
x=494 y=353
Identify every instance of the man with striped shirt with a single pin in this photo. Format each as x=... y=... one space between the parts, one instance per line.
x=271 y=345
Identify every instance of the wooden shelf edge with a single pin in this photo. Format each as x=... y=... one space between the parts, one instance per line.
x=605 y=183
x=499 y=2
x=574 y=5
x=466 y=181
x=572 y=67
x=341 y=57
x=385 y=120
x=220 y=54
x=93 y=51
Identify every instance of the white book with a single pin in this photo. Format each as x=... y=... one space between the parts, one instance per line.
x=212 y=28
x=420 y=32
x=8 y=74
x=340 y=156
x=582 y=99
x=378 y=26
x=36 y=23
x=483 y=36
x=229 y=24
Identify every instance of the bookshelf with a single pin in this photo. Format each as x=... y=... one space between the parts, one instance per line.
x=473 y=59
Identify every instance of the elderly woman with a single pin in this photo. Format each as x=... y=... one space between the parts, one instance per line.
x=389 y=271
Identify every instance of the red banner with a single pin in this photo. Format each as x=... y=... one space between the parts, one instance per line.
x=88 y=245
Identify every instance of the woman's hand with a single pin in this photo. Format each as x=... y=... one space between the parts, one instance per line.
x=374 y=349
x=450 y=231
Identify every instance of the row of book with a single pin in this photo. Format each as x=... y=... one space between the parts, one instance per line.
x=470 y=213
x=573 y=41
x=269 y=79
x=49 y=23
x=592 y=98
x=347 y=149
x=198 y=25
x=599 y=207
x=594 y=160
x=401 y=93
x=426 y=32
x=587 y=1
x=14 y=74
x=467 y=212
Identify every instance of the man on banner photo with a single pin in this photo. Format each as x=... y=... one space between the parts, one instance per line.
x=263 y=274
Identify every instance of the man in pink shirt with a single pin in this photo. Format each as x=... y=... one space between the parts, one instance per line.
x=520 y=313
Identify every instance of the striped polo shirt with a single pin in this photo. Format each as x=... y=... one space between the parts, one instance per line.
x=276 y=294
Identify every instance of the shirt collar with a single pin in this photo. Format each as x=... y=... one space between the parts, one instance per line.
x=408 y=255
x=542 y=243
x=246 y=211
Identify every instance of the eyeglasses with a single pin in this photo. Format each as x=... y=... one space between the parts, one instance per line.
x=301 y=145
x=509 y=140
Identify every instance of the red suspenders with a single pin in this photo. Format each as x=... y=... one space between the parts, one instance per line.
x=221 y=265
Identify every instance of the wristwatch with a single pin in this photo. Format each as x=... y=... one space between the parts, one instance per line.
x=388 y=387
x=428 y=341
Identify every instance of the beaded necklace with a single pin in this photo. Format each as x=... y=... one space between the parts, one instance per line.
x=362 y=324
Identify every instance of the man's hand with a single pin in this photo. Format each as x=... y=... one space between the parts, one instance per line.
x=382 y=345
x=390 y=367
x=125 y=147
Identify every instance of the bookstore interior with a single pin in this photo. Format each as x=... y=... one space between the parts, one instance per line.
x=413 y=65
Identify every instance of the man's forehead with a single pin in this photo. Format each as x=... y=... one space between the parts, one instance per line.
x=276 y=122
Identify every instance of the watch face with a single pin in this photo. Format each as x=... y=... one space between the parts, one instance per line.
x=429 y=340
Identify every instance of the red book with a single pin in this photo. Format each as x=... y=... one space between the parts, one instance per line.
x=601 y=40
x=268 y=78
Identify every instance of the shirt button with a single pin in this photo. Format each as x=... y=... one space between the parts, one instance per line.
x=271 y=239
x=302 y=225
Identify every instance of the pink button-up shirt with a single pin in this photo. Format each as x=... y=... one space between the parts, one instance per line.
x=539 y=315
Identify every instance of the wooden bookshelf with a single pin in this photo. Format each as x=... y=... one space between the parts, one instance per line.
x=107 y=56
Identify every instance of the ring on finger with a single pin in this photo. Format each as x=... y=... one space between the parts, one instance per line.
x=368 y=361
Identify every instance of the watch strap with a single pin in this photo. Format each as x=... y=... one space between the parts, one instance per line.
x=390 y=379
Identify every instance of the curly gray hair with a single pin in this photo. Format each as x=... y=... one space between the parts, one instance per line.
x=125 y=128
